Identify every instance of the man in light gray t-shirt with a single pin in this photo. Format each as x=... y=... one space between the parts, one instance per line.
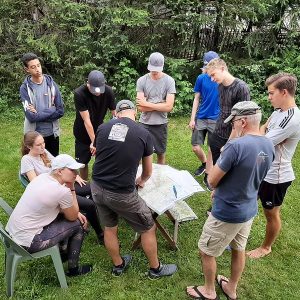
x=283 y=129
x=155 y=98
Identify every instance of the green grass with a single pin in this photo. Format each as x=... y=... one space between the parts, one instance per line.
x=274 y=277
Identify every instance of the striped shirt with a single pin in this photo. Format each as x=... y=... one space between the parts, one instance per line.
x=230 y=95
x=284 y=131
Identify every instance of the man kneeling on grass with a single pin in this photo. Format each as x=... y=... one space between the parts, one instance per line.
x=121 y=144
x=236 y=177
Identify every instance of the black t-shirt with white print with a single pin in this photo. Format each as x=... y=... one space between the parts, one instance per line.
x=121 y=144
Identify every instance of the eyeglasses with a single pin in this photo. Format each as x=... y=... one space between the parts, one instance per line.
x=232 y=122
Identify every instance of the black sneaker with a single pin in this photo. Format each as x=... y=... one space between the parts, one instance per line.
x=206 y=183
x=117 y=271
x=164 y=270
x=200 y=170
x=80 y=270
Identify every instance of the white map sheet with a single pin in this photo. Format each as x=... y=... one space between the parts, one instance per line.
x=167 y=186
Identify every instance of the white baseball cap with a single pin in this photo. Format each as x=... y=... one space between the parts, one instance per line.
x=65 y=161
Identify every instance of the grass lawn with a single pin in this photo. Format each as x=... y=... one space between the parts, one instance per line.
x=277 y=276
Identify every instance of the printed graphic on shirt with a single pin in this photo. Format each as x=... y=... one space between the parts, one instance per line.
x=261 y=158
x=284 y=122
x=287 y=118
x=118 y=132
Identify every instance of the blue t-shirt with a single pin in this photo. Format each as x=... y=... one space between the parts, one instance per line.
x=246 y=161
x=209 y=103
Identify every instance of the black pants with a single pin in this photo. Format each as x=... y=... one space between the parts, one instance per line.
x=216 y=143
x=87 y=206
x=58 y=232
x=52 y=144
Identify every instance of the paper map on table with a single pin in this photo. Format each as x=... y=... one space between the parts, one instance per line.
x=182 y=212
x=161 y=191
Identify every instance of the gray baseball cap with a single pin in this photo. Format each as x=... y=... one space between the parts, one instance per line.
x=96 y=80
x=156 y=62
x=243 y=108
x=124 y=104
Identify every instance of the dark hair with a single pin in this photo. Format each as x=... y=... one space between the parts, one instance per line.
x=28 y=141
x=283 y=81
x=27 y=57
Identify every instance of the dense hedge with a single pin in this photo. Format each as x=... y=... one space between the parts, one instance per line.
x=74 y=37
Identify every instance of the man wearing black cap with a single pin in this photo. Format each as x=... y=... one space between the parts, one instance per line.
x=92 y=100
x=121 y=144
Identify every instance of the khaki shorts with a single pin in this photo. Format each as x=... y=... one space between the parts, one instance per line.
x=217 y=235
x=129 y=206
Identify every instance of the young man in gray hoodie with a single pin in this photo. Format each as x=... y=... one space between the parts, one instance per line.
x=42 y=103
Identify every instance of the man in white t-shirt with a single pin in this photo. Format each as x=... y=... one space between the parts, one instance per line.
x=283 y=128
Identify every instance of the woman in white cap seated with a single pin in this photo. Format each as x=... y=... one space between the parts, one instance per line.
x=37 y=160
x=48 y=214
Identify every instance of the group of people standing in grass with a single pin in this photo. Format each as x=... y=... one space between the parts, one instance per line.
x=244 y=161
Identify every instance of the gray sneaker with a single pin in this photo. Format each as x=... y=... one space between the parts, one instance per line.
x=164 y=270
x=117 y=271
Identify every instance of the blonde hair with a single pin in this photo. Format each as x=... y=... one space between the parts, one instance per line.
x=216 y=63
x=28 y=141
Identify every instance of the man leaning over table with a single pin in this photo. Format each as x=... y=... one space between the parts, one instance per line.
x=121 y=144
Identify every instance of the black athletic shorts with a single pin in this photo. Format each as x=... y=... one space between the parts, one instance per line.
x=159 y=134
x=82 y=152
x=272 y=195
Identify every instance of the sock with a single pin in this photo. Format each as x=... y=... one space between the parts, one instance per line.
x=156 y=270
x=122 y=264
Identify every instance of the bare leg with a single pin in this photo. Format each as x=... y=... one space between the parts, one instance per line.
x=209 y=267
x=237 y=267
x=84 y=172
x=273 y=228
x=161 y=158
x=199 y=153
x=209 y=162
x=112 y=244
x=149 y=244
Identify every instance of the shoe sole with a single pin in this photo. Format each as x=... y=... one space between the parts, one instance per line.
x=158 y=277
x=200 y=173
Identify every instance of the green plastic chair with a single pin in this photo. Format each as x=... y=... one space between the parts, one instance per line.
x=15 y=254
x=23 y=179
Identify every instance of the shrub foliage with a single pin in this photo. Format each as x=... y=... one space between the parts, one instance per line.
x=74 y=37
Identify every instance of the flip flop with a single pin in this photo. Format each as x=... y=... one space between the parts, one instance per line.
x=220 y=280
x=200 y=296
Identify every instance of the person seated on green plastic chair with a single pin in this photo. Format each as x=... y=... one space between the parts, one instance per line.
x=37 y=160
x=48 y=214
